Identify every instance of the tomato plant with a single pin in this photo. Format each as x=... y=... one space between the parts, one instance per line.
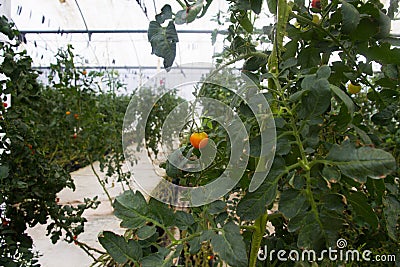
x=50 y=131
x=29 y=182
x=335 y=171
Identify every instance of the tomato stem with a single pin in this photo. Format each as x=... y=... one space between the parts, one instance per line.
x=258 y=233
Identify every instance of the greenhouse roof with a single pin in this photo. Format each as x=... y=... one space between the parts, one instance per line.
x=113 y=34
x=108 y=33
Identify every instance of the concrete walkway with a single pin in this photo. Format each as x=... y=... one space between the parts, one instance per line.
x=63 y=254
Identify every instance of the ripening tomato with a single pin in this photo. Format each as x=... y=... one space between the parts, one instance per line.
x=353 y=88
x=199 y=139
x=68 y=113
x=316 y=4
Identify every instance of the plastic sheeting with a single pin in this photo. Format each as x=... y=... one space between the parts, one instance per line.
x=110 y=49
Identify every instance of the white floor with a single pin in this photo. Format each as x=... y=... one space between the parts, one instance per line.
x=63 y=254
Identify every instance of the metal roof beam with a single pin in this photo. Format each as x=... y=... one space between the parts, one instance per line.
x=106 y=31
x=126 y=67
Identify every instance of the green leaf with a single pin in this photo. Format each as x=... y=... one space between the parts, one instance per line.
x=183 y=219
x=366 y=68
x=161 y=213
x=333 y=202
x=350 y=16
x=309 y=57
x=317 y=97
x=152 y=260
x=253 y=204
x=4 y=171
x=297 y=96
x=385 y=24
x=363 y=162
x=324 y=72
x=291 y=62
x=363 y=135
x=331 y=174
x=255 y=146
x=194 y=245
x=254 y=5
x=384 y=117
x=344 y=97
x=272 y=6
x=158 y=259
x=163 y=41
x=365 y=30
x=253 y=63
x=342 y=120
x=359 y=203
x=381 y=53
x=376 y=189
x=230 y=245
x=332 y=222
x=390 y=71
x=310 y=236
x=296 y=222
x=245 y=22
x=131 y=207
x=391 y=211
x=291 y=202
x=146 y=232
x=120 y=249
x=166 y=13
x=189 y=15
x=283 y=146
x=217 y=207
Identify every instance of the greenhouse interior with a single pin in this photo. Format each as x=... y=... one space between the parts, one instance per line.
x=241 y=133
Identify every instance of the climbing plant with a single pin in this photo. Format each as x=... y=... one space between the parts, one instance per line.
x=335 y=172
x=50 y=131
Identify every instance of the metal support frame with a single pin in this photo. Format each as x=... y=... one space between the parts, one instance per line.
x=106 y=31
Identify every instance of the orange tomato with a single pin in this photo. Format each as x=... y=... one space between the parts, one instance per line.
x=199 y=139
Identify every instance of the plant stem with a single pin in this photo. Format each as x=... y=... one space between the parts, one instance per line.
x=258 y=233
x=101 y=182
x=181 y=3
x=306 y=166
